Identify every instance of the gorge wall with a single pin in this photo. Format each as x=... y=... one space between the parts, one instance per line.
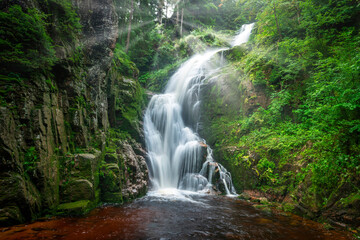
x=70 y=129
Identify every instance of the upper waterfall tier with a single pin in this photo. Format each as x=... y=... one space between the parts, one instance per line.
x=243 y=35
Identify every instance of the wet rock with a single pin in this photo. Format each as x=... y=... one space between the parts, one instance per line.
x=86 y=163
x=84 y=166
x=346 y=209
x=263 y=208
x=19 y=199
x=112 y=197
x=125 y=175
x=244 y=196
x=75 y=208
x=302 y=210
x=10 y=215
x=203 y=152
x=111 y=179
x=76 y=190
x=220 y=186
x=111 y=158
x=264 y=200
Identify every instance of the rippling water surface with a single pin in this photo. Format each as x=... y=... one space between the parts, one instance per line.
x=173 y=214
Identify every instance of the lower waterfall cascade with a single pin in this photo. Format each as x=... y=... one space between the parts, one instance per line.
x=177 y=156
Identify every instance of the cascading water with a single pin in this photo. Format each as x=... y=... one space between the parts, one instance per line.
x=243 y=35
x=178 y=157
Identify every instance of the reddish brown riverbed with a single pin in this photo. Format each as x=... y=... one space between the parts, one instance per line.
x=193 y=217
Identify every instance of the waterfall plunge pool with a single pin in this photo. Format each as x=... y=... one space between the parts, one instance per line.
x=175 y=214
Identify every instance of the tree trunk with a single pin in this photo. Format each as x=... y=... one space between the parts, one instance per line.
x=177 y=15
x=129 y=29
x=182 y=19
x=166 y=12
x=276 y=20
x=160 y=9
x=297 y=11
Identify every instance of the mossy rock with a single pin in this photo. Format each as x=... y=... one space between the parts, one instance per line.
x=110 y=178
x=236 y=53
x=264 y=201
x=75 y=190
x=86 y=161
x=82 y=166
x=19 y=199
x=351 y=201
x=244 y=196
x=75 y=208
x=263 y=208
x=10 y=215
x=288 y=207
x=109 y=197
x=111 y=158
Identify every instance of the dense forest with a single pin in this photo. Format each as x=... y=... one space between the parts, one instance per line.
x=283 y=118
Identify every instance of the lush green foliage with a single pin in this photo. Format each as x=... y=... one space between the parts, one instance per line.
x=171 y=52
x=306 y=56
x=65 y=23
x=123 y=64
x=26 y=35
x=212 y=13
x=156 y=80
x=30 y=160
x=24 y=42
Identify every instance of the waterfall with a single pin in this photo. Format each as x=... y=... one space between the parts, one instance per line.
x=243 y=35
x=177 y=156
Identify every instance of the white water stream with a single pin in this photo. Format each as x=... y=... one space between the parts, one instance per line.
x=178 y=157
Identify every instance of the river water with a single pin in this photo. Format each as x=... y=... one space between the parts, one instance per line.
x=173 y=214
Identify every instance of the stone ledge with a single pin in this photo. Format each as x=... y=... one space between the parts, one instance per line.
x=75 y=208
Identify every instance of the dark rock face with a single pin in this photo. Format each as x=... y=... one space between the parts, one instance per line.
x=50 y=117
x=124 y=174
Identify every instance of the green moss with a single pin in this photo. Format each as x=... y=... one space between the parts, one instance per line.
x=210 y=37
x=110 y=197
x=30 y=159
x=97 y=195
x=355 y=197
x=123 y=64
x=75 y=208
x=235 y=54
x=263 y=208
x=65 y=21
x=288 y=207
x=157 y=80
x=111 y=157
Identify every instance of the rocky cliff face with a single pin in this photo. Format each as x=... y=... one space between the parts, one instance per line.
x=57 y=145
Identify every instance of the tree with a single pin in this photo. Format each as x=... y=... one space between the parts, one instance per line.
x=129 y=29
x=274 y=6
